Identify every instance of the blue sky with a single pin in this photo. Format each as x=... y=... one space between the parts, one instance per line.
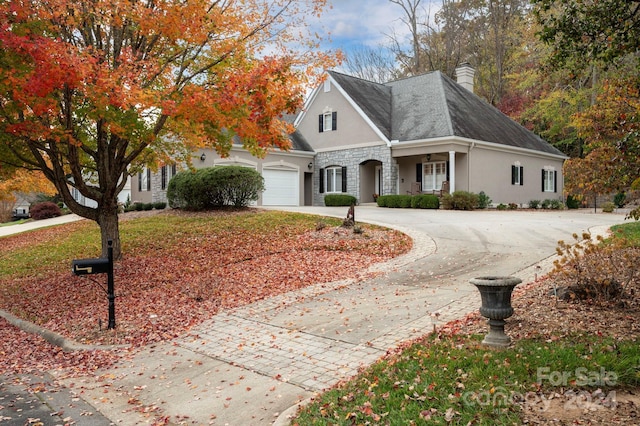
x=356 y=22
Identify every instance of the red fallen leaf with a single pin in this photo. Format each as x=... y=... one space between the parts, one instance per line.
x=194 y=277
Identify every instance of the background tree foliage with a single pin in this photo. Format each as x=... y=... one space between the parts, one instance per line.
x=566 y=69
x=93 y=91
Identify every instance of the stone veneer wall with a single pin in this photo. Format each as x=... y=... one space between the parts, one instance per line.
x=352 y=159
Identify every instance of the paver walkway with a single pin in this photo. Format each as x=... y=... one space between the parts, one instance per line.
x=250 y=365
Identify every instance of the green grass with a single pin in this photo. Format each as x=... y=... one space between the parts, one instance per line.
x=15 y=222
x=82 y=239
x=457 y=380
x=459 y=376
x=630 y=231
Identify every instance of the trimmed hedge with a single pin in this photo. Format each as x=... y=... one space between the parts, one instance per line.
x=214 y=187
x=425 y=202
x=409 y=201
x=339 y=200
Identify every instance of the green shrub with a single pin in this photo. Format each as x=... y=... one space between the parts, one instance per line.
x=513 y=206
x=425 y=202
x=573 y=202
x=214 y=187
x=460 y=200
x=179 y=191
x=382 y=200
x=620 y=199
x=159 y=205
x=501 y=206
x=534 y=204
x=138 y=207
x=608 y=207
x=545 y=203
x=397 y=201
x=339 y=200
x=556 y=205
x=484 y=200
x=45 y=210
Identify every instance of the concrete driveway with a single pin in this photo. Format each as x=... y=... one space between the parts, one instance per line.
x=253 y=364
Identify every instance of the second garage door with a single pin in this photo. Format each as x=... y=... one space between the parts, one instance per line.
x=281 y=188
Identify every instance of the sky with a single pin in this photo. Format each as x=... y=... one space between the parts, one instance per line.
x=353 y=23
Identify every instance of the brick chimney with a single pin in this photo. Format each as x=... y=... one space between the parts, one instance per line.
x=464 y=76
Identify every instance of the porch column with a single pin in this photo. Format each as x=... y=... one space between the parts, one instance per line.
x=452 y=171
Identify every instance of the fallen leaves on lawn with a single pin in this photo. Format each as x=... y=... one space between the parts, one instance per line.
x=162 y=292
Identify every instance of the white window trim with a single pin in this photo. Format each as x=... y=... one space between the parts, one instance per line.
x=518 y=177
x=549 y=179
x=433 y=178
x=337 y=186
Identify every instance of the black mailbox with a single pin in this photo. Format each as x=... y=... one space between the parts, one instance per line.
x=90 y=266
x=100 y=266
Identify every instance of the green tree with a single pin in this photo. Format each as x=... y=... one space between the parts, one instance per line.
x=589 y=31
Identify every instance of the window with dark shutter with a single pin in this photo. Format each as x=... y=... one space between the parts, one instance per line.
x=555 y=181
x=521 y=176
x=321 y=123
x=148 y=179
x=344 y=179
x=334 y=120
x=163 y=177
x=513 y=175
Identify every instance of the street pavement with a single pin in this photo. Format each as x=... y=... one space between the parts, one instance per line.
x=252 y=365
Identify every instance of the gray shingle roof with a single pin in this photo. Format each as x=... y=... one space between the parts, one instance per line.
x=431 y=106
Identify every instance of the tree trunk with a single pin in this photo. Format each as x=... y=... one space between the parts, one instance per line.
x=109 y=230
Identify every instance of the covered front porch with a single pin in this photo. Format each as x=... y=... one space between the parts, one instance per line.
x=431 y=171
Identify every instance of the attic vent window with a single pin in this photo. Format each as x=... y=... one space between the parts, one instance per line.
x=328 y=121
x=327 y=86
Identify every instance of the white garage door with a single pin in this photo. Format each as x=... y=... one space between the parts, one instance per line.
x=281 y=188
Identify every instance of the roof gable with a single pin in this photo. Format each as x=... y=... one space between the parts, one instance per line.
x=374 y=99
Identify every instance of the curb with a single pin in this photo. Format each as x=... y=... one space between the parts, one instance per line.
x=67 y=345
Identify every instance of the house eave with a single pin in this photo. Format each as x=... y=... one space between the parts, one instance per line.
x=467 y=144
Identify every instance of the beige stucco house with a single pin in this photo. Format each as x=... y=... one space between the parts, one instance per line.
x=406 y=136
x=413 y=134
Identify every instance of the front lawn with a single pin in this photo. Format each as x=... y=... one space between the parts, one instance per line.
x=177 y=270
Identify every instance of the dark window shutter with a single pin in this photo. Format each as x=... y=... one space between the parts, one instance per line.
x=321 y=180
x=447 y=171
x=555 y=181
x=163 y=177
x=521 y=175
x=542 y=180
x=419 y=173
x=334 y=120
x=344 y=179
x=513 y=175
x=140 y=182
x=321 y=123
x=174 y=170
x=148 y=179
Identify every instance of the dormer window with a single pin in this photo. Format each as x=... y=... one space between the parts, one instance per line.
x=328 y=121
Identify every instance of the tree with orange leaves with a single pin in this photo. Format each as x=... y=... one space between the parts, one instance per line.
x=93 y=91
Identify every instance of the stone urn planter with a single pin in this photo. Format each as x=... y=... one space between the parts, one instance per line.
x=496 y=306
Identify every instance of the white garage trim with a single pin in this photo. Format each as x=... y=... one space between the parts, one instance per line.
x=235 y=161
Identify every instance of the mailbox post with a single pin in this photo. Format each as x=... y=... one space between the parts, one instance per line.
x=100 y=266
